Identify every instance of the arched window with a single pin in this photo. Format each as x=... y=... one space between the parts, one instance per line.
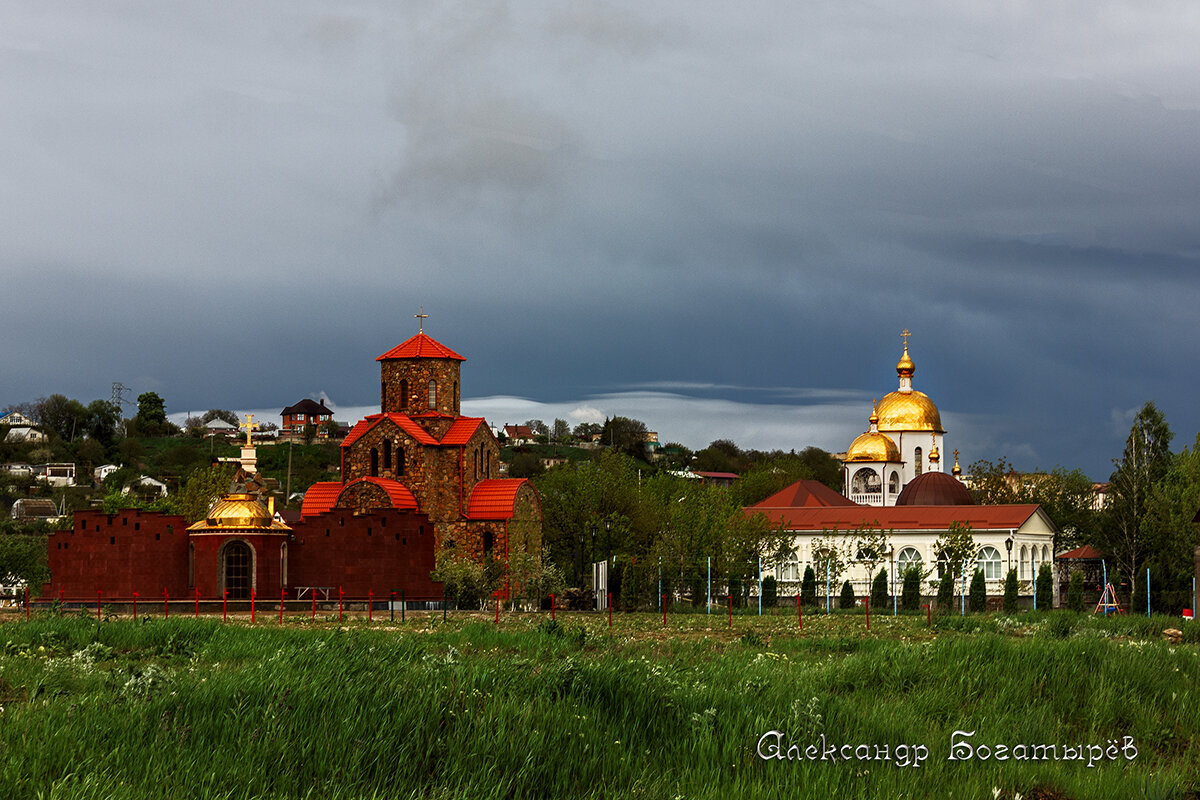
x=374 y=463
x=1022 y=561
x=909 y=557
x=894 y=483
x=917 y=467
x=404 y=395
x=433 y=395
x=399 y=461
x=1045 y=554
x=283 y=565
x=865 y=481
x=387 y=453
x=989 y=562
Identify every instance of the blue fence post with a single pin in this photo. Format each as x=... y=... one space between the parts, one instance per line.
x=708 y=604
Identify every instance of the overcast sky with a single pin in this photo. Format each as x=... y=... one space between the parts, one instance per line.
x=714 y=218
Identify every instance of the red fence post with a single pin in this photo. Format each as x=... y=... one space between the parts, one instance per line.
x=341 y=596
x=61 y=594
x=166 y=611
x=799 y=612
x=730 y=600
x=929 y=615
x=252 y=605
x=497 y=596
x=197 y=602
x=867 y=604
x=552 y=606
x=314 y=611
x=282 y=594
x=370 y=605
x=97 y=605
x=610 y=610
x=225 y=607
x=135 y=597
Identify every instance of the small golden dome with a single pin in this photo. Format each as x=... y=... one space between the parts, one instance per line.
x=873 y=446
x=909 y=411
x=905 y=367
x=933 y=454
x=957 y=469
x=238 y=510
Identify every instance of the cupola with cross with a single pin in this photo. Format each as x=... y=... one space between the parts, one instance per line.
x=420 y=378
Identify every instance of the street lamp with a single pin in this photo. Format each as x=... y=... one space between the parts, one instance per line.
x=1008 y=545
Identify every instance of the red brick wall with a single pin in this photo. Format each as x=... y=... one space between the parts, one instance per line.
x=119 y=554
x=384 y=551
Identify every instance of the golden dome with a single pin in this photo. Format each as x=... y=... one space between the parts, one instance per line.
x=873 y=446
x=237 y=510
x=909 y=411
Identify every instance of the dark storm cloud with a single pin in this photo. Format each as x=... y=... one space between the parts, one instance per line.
x=717 y=218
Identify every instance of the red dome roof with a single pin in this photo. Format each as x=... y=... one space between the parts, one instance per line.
x=935 y=489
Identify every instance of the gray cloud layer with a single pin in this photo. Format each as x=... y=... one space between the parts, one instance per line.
x=230 y=207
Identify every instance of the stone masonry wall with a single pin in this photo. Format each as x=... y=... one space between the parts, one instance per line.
x=419 y=372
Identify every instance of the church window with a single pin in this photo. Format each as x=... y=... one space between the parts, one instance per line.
x=404 y=395
x=917 y=461
x=1021 y=562
x=487 y=541
x=433 y=395
x=283 y=565
x=387 y=453
x=989 y=562
x=789 y=568
x=374 y=463
x=865 y=481
x=909 y=557
x=894 y=483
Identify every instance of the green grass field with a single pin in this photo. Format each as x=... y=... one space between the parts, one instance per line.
x=187 y=708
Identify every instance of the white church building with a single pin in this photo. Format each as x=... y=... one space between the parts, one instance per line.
x=894 y=484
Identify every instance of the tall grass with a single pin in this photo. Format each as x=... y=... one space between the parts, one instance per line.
x=187 y=708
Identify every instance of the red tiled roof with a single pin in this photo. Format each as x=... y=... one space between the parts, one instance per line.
x=805 y=494
x=847 y=518
x=1087 y=551
x=518 y=431
x=462 y=430
x=319 y=498
x=494 y=498
x=397 y=492
x=421 y=346
x=406 y=424
x=730 y=476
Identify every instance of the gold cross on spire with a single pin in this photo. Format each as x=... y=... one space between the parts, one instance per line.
x=905 y=334
x=421 y=320
x=249 y=425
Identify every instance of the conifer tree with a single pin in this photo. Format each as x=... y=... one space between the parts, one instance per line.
x=977 y=596
x=1010 y=592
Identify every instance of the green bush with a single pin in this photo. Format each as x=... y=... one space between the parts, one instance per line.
x=808 y=588
x=977 y=595
x=1010 y=592
x=945 y=595
x=879 y=590
x=910 y=593
x=1075 y=592
x=847 y=597
x=1045 y=588
x=770 y=592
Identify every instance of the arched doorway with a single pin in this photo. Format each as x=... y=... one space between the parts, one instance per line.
x=237 y=569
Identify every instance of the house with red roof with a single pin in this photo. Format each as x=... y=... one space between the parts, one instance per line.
x=306 y=412
x=821 y=520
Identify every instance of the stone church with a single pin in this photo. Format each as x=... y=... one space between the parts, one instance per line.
x=415 y=478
